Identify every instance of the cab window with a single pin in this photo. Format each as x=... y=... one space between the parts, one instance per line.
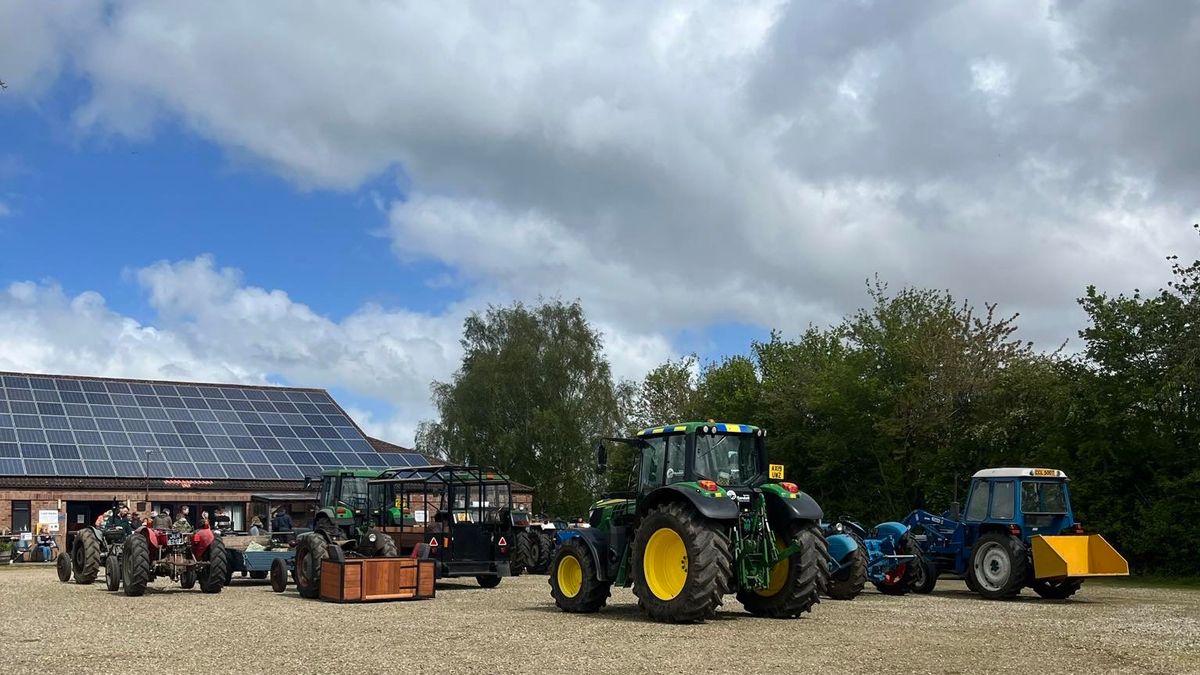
x=977 y=504
x=676 y=455
x=1003 y=500
x=653 y=458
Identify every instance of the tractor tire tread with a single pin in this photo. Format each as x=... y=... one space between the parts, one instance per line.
x=593 y=594
x=710 y=564
x=213 y=577
x=849 y=582
x=135 y=565
x=1018 y=557
x=86 y=559
x=312 y=545
x=808 y=578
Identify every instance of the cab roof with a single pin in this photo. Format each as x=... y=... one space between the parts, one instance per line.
x=689 y=427
x=357 y=473
x=1013 y=472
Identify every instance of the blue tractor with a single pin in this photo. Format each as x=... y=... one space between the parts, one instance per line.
x=888 y=556
x=1018 y=530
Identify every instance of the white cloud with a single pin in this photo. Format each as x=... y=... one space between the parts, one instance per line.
x=679 y=164
x=210 y=326
x=4 y=210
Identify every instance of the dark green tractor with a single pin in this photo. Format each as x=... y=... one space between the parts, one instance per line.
x=344 y=526
x=702 y=520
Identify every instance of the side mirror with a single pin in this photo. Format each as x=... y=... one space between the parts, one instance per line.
x=308 y=482
x=954 y=511
x=601 y=458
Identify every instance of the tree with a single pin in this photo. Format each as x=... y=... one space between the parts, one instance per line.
x=533 y=391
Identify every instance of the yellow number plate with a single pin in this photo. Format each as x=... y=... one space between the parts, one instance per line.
x=1045 y=472
x=776 y=472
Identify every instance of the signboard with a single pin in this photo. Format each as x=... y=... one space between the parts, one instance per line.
x=48 y=520
x=776 y=471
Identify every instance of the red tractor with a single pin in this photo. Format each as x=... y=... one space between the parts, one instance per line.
x=188 y=557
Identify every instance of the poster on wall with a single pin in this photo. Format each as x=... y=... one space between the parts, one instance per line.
x=48 y=518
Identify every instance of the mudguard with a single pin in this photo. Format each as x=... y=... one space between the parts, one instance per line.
x=891 y=529
x=201 y=540
x=840 y=546
x=782 y=511
x=596 y=543
x=709 y=507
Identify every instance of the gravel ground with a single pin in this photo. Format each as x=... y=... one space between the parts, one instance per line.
x=516 y=628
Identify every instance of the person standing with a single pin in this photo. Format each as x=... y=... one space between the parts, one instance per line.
x=163 y=520
x=283 y=521
x=221 y=520
x=182 y=524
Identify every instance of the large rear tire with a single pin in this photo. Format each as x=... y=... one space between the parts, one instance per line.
x=573 y=582
x=999 y=565
x=135 y=565
x=85 y=559
x=212 y=577
x=543 y=546
x=1056 y=590
x=682 y=565
x=523 y=553
x=848 y=582
x=63 y=566
x=311 y=550
x=797 y=581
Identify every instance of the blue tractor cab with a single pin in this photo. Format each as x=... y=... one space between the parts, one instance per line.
x=1018 y=530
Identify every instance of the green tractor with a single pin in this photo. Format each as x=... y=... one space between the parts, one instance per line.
x=343 y=526
x=702 y=520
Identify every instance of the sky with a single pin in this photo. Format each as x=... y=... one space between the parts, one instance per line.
x=318 y=194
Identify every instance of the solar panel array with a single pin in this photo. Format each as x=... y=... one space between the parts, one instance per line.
x=52 y=426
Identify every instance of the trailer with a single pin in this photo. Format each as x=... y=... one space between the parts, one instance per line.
x=255 y=555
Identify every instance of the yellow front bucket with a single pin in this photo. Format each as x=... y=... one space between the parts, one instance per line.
x=1076 y=556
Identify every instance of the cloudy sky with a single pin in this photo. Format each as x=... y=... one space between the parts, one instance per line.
x=318 y=193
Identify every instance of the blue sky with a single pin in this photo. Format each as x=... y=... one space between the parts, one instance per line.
x=187 y=194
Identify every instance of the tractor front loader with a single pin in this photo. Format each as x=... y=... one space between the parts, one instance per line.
x=1018 y=530
x=701 y=521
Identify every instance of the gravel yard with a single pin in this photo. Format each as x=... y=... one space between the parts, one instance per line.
x=59 y=627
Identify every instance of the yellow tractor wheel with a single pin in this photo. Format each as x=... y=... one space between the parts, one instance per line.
x=682 y=564
x=573 y=579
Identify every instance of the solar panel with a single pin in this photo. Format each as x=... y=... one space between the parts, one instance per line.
x=54 y=426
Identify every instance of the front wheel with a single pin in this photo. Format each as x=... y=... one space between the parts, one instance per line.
x=112 y=572
x=488 y=580
x=847 y=583
x=682 y=565
x=311 y=550
x=1056 y=590
x=63 y=565
x=999 y=565
x=796 y=581
x=573 y=582
x=925 y=572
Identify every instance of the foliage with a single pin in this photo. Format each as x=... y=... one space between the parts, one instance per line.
x=533 y=391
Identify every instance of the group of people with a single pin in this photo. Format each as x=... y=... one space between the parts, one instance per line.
x=122 y=517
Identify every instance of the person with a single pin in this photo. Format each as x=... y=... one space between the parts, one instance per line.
x=182 y=524
x=185 y=512
x=204 y=520
x=120 y=519
x=221 y=520
x=45 y=544
x=163 y=520
x=283 y=521
x=255 y=526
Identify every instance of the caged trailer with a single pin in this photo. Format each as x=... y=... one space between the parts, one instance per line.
x=701 y=520
x=458 y=516
x=255 y=556
x=461 y=517
x=1018 y=530
x=888 y=556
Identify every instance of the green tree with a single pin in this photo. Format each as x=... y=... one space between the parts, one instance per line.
x=533 y=391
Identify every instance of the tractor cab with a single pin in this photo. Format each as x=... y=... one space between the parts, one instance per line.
x=1036 y=501
x=343 y=502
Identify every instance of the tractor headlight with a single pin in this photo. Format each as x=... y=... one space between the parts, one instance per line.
x=838 y=527
x=371 y=537
x=704 y=430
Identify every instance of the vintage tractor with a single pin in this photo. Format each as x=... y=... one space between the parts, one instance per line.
x=1018 y=530
x=702 y=520
x=188 y=557
x=91 y=550
x=888 y=556
x=535 y=542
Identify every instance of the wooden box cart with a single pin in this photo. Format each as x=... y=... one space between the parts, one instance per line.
x=373 y=579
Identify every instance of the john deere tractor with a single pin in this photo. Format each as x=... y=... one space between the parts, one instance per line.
x=701 y=521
